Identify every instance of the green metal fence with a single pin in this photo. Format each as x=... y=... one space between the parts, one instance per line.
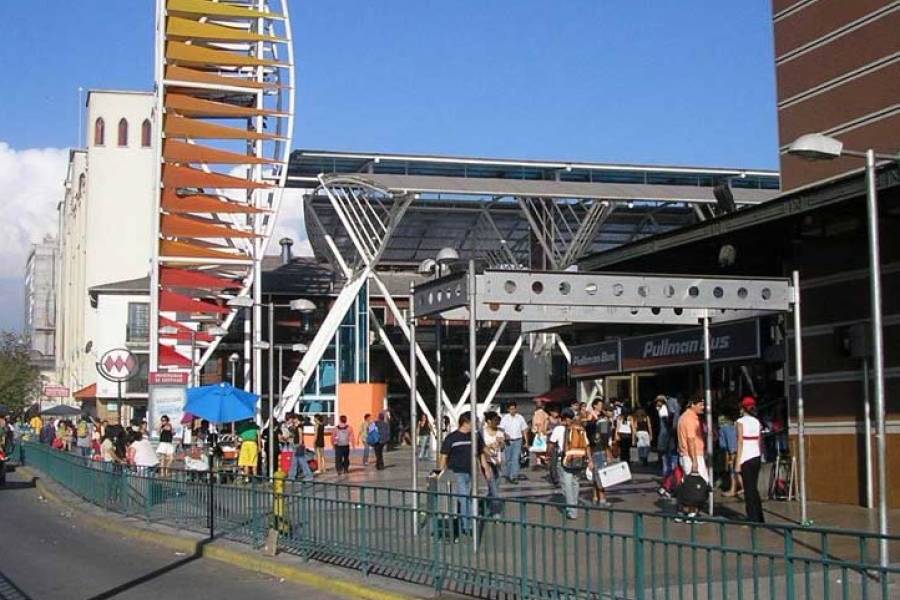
x=531 y=551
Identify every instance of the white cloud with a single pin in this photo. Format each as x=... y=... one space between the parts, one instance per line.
x=290 y=223
x=31 y=185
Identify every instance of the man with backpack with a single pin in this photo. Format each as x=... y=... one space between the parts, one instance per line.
x=574 y=457
x=342 y=441
x=84 y=434
x=377 y=437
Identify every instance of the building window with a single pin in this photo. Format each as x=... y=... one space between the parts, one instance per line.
x=138 y=328
x=123 y=132
x=99 y=131
x=138 y=384
x=145 y=134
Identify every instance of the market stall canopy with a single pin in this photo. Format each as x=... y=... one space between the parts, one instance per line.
x=221 y=403
x=62 y=410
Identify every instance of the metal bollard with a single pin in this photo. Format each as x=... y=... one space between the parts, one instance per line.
x=279 y=524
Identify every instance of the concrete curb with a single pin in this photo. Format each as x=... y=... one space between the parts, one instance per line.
x=246 y=560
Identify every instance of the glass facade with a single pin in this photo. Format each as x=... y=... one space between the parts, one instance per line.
x=345 y=361
x=138 y=327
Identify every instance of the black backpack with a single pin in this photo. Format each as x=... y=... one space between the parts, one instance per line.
x=693 y=490
x=600 y=433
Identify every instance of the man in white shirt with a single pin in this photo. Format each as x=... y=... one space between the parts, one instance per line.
x=514 y=426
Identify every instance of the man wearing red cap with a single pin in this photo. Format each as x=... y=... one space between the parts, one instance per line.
x=749 y=457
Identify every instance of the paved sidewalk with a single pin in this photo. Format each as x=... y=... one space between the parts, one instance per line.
x=639 y=494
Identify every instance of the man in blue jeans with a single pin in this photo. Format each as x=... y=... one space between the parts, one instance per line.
x=300 y=464
x=514 y=426
x=456 y=455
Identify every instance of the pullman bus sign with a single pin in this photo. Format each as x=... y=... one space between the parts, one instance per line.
x=728 y=342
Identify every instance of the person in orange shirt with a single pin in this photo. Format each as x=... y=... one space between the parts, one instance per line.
x=691 y=445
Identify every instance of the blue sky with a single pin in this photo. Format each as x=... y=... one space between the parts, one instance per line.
x=640 y=81
x=623 y=81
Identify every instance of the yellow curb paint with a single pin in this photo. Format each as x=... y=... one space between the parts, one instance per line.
x=243 y=560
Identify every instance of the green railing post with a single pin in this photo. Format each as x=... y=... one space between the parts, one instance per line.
x=255 y=538
x=523 y=551
x=790 y=592
x=148 y=494
x=363 y=534
x=125 y=497
x=638 y=541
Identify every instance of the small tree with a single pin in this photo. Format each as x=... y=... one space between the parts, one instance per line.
x=20 y=381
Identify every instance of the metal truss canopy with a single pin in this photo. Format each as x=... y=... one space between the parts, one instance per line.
x=564 y=297
x=623 y=192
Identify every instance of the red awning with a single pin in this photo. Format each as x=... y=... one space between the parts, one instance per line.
x=88 y=392
x=168 y=357
x=561 y=394
x=172 y=302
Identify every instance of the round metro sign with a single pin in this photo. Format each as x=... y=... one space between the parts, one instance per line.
x=118 y=365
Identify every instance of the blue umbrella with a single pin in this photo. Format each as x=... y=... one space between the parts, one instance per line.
x=221 y=403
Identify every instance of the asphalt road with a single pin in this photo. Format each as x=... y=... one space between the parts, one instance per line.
x=47 y=552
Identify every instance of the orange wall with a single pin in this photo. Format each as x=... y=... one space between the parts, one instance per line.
x=354 y=401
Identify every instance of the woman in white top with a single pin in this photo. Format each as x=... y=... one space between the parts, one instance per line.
x=625 y=434
x=748 y=457
x=141 y=454
x=492 y=459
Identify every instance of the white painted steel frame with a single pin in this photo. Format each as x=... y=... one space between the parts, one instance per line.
x=270 y=200
x=728 y=298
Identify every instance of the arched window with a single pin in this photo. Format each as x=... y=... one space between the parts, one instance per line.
x=145 y=133
x=99 y=131
x=123 y=132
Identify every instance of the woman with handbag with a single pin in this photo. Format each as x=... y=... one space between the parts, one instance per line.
x=624 y=435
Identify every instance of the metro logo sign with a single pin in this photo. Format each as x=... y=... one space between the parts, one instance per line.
x=118 y=365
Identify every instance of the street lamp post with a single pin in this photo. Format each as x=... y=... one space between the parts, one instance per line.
x=445 y=257
x=233 y=359
x=301 y=305
x=816 y=146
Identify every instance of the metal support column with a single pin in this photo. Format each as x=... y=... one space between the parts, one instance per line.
x=413 y=390
x=438 y=385
x=867 y=436
x=280 y=373
x=271 y=421
x=707 y=397
x=248 y=352
x=801 y=419
x=473 y=404
x=877 y=350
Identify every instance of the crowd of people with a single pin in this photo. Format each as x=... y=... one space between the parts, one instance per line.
x=572 y=443
x=578 y=441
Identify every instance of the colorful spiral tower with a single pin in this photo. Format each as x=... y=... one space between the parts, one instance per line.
x=224 y=116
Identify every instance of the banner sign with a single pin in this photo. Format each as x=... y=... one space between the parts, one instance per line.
x=168 y=378
x=728 y=342
x=56 y=391
x=169 y=401
x=167 y=395
x=601 y=358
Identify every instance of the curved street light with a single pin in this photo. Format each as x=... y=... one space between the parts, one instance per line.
x=817 y=146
